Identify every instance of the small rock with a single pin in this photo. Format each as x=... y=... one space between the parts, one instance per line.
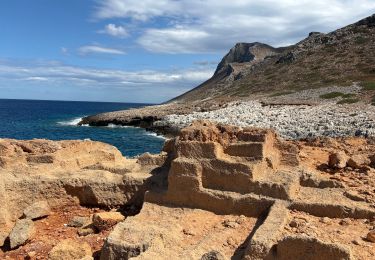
x=230 y=224
x=70 y=249
x=31 y=254
x=87 y=230
x=338 y=160
x=371 y=236
x=293 y=224
x=325 y=220
x=345 y=222
x=37 y=210
x=241 y=219
x=106 y=220
x=356 y=242
x=78 y=221
x=23 y=231
x=213 y=255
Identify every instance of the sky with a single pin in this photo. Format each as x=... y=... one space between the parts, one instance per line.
x=144 y=51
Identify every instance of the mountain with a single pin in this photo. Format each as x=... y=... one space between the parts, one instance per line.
x=338 y=58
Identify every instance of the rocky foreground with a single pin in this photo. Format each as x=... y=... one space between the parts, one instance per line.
x=215 y=192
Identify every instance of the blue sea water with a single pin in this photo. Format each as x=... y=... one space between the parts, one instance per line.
x=56 y=120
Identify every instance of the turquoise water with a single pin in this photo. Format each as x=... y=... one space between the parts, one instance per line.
x=56 y=120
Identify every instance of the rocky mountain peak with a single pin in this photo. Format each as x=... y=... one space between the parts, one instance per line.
x=245 y=52
x=369 y=21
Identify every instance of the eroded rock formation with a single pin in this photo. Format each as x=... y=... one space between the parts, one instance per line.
x=236 y=193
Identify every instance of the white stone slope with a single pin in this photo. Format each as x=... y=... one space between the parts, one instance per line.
x=291 y=121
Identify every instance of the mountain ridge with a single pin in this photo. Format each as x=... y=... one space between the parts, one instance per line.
x=339 y=58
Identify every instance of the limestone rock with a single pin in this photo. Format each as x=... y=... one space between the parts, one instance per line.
x=213 y=255
x=303 y=247
x=21 y=233
x=338 y=160
x=78 y=221
x=37 y=210
x=358 y=161
x=371 y=236
x=70 y=250
x=106 y=220
x=86 y=230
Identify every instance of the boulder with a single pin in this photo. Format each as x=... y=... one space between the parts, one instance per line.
x=338 y=160
x=23 y=231
x=358 y=161
x=70 y=250
x=213 y=255
x=106 y=220
x=37 y=210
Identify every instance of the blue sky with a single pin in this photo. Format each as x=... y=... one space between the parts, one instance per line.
x=143 y=51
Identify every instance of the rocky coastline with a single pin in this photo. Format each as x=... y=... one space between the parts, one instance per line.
x=215 y=191
x=295 y=116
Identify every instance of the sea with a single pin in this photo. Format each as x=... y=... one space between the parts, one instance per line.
x=57 y=120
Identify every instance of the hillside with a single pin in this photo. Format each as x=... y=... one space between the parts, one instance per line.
x=338 y=58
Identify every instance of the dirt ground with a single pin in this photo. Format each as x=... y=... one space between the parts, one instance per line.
x=53 y=229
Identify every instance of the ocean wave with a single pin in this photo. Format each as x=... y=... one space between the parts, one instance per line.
x=72 y=122
x=155 y=135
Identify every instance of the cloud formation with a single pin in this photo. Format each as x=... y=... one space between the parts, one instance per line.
x=55 y=71
x=213 y=26
x=115 y=31
x=95 y=49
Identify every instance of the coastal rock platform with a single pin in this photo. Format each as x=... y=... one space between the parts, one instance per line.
x=233 y=192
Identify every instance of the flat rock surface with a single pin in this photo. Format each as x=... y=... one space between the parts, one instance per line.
x=180 y=233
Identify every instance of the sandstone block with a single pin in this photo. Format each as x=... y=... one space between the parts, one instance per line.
x=358 y=161
x=255 y=150
x=70 y=250
x=37 y=210
x=194 y=149
x=338 y=160
x=371 y=236
x=78 y=221
x=23 y=231
x=303 y=247
x=106 y=220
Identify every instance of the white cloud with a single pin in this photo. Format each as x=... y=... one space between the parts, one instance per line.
x=94 y=49
x=64 y=50
x=106 y=77
x=137 y=10
x=94 y=84
x=37 y=79
x=196 y=26
x=116 y=31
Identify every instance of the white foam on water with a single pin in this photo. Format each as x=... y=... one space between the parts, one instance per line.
x=73 y=122
x=155 y=135
x=119 y=126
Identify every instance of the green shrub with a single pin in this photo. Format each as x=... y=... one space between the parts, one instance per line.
x=348 y=101
x=360 y=40
x=349 y=95
x=369 y=85
x=332 y=95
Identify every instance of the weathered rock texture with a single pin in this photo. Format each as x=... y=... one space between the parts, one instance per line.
x=39 y=173
x=237 y=171
x=240 y=192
